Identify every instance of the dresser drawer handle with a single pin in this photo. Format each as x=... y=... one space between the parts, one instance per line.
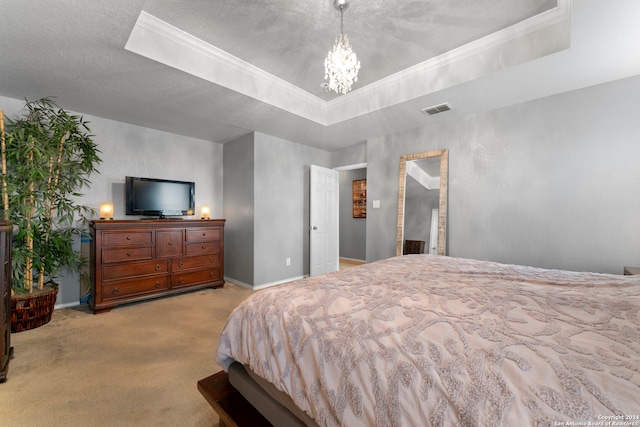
x=115 y=291
x=181 y=281
x=204 y=246
x=157 y=285
x=204 y=234
x=212 y=260
x=128 y=237
x=128 y=253
x=212 y=274
x=181 y=264
x=170 y=243
x=157 y=267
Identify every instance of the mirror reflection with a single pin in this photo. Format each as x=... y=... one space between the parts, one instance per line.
x=422 y=203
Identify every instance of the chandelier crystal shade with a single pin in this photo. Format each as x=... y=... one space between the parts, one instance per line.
x=341 y=65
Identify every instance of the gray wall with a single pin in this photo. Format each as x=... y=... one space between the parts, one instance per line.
x=137 y=151
x=354 y=155
x=278 y=198
x=239 y=208
x=553 y=182
x=282 y=207
x=353 y=231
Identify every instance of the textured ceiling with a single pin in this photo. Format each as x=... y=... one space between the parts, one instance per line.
x=77 y=52
x=291 y=39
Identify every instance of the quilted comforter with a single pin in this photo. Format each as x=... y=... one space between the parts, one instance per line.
x=425 y=340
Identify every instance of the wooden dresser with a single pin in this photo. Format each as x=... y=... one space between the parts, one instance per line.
x=6 y=351
x=142 y=259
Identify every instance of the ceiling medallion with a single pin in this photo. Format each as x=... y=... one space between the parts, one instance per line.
x=341 y=65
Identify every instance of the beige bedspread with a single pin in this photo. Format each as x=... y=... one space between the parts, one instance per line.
x=425 y=340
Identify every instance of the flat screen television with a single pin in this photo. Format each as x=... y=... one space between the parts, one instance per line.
x=159 y=197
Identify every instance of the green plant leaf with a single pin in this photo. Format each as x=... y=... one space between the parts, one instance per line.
x=50 y=154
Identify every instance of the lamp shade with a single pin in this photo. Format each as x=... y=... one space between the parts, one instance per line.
x=106 y=210
x=205 y=212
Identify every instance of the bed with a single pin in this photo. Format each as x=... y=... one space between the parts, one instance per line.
x=422 y=340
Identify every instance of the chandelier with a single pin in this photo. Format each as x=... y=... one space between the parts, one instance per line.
x=341 y=65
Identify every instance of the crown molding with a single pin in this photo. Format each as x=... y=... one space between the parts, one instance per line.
x=524 y=41
x=527 y=40
x=160 y=41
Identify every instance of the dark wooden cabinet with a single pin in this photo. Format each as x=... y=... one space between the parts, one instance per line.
x=414 y=247
x=6 y=350
x=142 y=259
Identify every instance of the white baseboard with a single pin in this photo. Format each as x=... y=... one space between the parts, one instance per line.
x=66 y=305
x=353 y=259
x=280 y=282
x=264 y=285
x=237 y=282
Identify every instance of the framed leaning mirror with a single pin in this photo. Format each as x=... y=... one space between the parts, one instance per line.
x=422 y=203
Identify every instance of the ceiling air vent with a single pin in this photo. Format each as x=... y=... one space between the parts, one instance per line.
x=437 y=109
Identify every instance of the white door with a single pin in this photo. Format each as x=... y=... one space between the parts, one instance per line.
x=323 y=220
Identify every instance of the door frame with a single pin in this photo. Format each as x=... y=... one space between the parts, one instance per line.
x=352 y=166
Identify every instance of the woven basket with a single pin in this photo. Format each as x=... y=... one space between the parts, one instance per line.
x=32 y=310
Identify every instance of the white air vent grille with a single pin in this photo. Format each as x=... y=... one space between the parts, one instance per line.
x=436 y=109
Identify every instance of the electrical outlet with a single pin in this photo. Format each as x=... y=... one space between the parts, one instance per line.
x=288 y=261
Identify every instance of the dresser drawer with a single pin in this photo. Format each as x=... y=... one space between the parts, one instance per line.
x=126 y=288
x=132 y=238
x=200 y=261
x=126 y=254
x=169 y=243
x=199 y=248
x=199 y=234
x=142 y=268
x=195 y=277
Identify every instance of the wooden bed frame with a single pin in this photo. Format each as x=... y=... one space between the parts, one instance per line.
x=232 y=408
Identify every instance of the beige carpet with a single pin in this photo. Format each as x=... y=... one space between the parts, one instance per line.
x=137 y=365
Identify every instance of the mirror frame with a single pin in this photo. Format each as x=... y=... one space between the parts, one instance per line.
x=442 y=208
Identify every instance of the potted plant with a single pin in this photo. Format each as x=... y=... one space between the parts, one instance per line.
x=47 y=157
